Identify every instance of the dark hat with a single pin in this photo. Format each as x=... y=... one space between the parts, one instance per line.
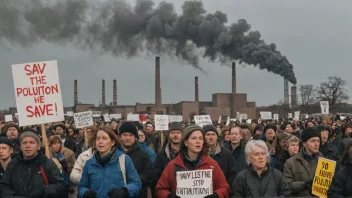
x=29 y=134
x=270 y=126
x=128 y=127
x=210 y=127
x=114 y=120
x=61 y=126
x=283 y=127
x=175 y=126
x=324 y=128
x=4 y=140
x=9 y=125
x=138 y=125
x=188 y=130
x=308 y=133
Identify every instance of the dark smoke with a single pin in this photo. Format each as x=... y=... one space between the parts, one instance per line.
x=116 y=27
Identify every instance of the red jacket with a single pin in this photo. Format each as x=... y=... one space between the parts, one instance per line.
x=167 y=181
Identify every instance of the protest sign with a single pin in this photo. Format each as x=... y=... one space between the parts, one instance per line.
x=175 y=118
x=38 y=93
x=132 y=117
x=296 y=115
x=70 y=113
x=266 y=115
x=194 y=184
x=8 y=118
x=106 y=117
x=96 y=114
x=228 y=121
x=289 y=115
x=324 y=105
x=143 y=117
x=323 y=177
x=202 y=120
x=83 y=119
x=161 y=122
x=249 y=121
x=276 y=116
x=116 y=116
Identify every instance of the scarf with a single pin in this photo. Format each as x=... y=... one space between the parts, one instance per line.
x=193 y=164
x=308 y=157
x=106 y=159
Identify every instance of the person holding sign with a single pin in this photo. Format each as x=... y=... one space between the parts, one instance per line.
x=300 y=169
x=193 y=158
x=259 y=180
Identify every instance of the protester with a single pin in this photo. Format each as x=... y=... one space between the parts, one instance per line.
x=345 y=137
x=152 y=138
x=102 y=176
x=259 y=180
x=300 y=169
x=192 y=156
x=225 y=136
x=12 y=132
x=328 y=150
x=269 y=137
x=257 y=132
x=82 y=145
x=64 y=155
x=129 y=139
x=290 y=148
x=236 y=146
x=142 y=134
x=246 y=133
x=66 y=140
x=6 y=151
x=32 y=174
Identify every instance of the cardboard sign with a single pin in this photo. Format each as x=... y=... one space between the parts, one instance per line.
x=228 y=121
x=324 y=105
x=8 y=118
x=276 y=116
x=296 y=115
x=194 y=184
x=289 y=115
x=106 y=117
x=323 y=177
x=70 y=113
x=175 y=118
x=249 y=121
x=202 y=120
x=38 y=93
x=132 y=117
x=242 y=117
x=161 y=122
x=265 y=115
x=116 y=116
x=83 y=119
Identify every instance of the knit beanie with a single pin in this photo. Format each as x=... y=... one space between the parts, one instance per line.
x=324 y=128
x=29 y=134
x=308 y=133
x=188 y=130
x=270 y=126
x=175 y=126
x=210 y=127
x=4 y=140
x=128 y=127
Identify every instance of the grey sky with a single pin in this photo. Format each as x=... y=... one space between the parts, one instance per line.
x=314 y=35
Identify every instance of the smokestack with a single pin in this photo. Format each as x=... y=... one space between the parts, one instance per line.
x=103 y=93
x=157 y=82
x=196 y=91
x=234 y=78
x=294 y=96
x=75 y=93
x=286 y=94
x=114 y=99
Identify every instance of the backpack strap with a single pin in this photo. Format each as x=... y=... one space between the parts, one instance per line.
x=43 y=174
x=122 y=166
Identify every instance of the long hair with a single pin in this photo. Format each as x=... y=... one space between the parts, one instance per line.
x=111 y=134
x=346 y=155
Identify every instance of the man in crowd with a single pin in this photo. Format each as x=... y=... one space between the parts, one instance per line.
x=153 y=139
x=6 y=151
x=67 y=141
x=345 y=137
x=236 y=147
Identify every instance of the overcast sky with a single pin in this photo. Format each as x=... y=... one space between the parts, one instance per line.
x=315 y=36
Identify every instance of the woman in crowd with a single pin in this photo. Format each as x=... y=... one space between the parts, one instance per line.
x=275 y=160
x=192 y=156
x=65 y=156
x=142 y=134
x=290 y=149
x=259 y=180
x=109 y=173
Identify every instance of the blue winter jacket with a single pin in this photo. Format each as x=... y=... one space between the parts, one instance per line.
x=148 y=150
x=102 y=180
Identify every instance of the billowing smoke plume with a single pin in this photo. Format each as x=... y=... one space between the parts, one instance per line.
x=116 y=27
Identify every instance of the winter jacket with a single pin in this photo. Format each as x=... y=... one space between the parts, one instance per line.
x=69 y=157
x=297 y=172
x=81 y=147
x=239 y=155
x=70 y=143
x=24 y=176
x=76 y=173
x=330 y=151
x=102 y=180
x=143 y=165
x=2 y=171
x=167 y=182
x=269 y=184
x=149 y=151
x=279 y=163
x=341 y=185
x=153 y=141
x=226 y=162
x=343 y=143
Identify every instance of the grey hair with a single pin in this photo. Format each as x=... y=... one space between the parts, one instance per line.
x=253 y=143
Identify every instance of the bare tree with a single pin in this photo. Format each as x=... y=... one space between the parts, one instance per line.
x=308 y=95
x=333 y=91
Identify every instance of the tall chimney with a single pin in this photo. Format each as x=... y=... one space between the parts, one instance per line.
x=286 y=94
x=114 y=99
x=234 y=78
x=196 y=91
x=157 y=82
x=294 y=96
x=75 y=93
x=103 y=93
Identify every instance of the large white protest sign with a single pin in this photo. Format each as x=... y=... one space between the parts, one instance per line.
x=38 y=93
x=132 y=117
x=161 y=122
x=115 y=116
x=194 y=184
x=243 y=117
x=296 y=115
x=175 y=118
x=289 y=115
x=266 y=115
x=202 y=120
x=83 y=119
x=276 y=116
x=324 y=105
x=8 y=118
x=106 y=117
x=70 y=113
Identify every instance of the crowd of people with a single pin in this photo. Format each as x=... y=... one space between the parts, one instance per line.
x=122 y=159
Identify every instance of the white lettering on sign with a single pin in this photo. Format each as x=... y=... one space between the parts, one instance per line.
x=194 y=184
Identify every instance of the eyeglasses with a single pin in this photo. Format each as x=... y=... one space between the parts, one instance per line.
x=257 y=154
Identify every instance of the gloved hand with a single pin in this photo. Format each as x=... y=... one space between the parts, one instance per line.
x=309 y=184
x=119 y=193
x=90 y=194
x=173 y=195
x=214 y=195
x=37 y=192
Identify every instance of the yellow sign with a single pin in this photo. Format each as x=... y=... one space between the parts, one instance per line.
x=323 y=177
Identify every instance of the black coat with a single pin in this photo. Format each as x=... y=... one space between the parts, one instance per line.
x=70 y=144
x=161 y=161
x=330 y=152
x=239 y=155
x=341 y=185
x=143 y=165
x=24 y=176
